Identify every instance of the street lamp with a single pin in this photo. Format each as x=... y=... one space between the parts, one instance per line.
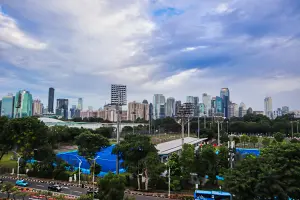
x=169 y=179
x=94 y=174
x=79 y=165
x=18 y=161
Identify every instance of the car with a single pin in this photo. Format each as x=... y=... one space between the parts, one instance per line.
x=55 y=188
x=22 y=183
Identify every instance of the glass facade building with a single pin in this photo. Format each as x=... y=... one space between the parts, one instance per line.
x=23 y=104
x=7 y=106
x=51 y=100
x=224 y=94
x=219 y=106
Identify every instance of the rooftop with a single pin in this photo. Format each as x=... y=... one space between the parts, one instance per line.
x=175 y=145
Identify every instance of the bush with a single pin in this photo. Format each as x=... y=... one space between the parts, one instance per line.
x=63 y=176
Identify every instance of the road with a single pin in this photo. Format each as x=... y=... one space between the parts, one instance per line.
x=69 y=190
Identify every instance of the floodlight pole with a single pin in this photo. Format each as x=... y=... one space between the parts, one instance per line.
x=118 y=131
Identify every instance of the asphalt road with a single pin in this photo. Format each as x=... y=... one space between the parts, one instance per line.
x=78 y=191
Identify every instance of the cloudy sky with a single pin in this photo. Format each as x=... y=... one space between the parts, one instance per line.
x=174 y=47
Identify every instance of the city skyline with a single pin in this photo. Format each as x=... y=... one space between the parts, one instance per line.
x=179 y=49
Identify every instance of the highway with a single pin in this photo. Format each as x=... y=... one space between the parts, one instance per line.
x=69 y=190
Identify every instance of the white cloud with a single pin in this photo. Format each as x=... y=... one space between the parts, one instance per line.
x=11 y=34
x=187 y=49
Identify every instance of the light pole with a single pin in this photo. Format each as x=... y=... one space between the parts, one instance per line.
x=79 y=165
x=18 y=161
x=292 y=125
x=188 y=126
x=227 y=127
x=94 y=175
x=198 y=127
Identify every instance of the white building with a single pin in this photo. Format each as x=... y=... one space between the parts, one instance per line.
x=206 y=99
x=242 y=110
x=233 y=110
x=268 y=111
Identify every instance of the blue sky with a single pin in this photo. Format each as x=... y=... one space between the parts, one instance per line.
x=174 y=47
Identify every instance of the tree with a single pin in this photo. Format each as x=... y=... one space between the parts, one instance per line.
x=175 y=169
x=8 y=188
x=244 y=139
x=253 y=140
x=104 y=131
x=279 y=137
x=266 y=141
x=89 y=144
x=97 y=169
x=133 y=150
x=187 y=160
x=222 y=159
x=6 y=140
x=236 y=140
x=111 y=187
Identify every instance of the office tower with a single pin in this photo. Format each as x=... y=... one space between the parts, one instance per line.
x=170 y=110
x=189 y=99
x=201 y=109
x=62 y=107
x=233 y=110
x=268 y=107
x=23 y=104
x=250 y=110
x=37 y=108
x=196 y=106
x=242 y=110
x=285 y=110
x=219 y=109
x=72 y=111
x=146 y=110
x=150 y=112
x=177 y=107
x=7 y=107
x=118 y=94
x=80 y=104
x=158 y=106
x=51 y=100
x=224 y=94
x=206 y=99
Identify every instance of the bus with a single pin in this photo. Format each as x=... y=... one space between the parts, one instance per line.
x=211 y=195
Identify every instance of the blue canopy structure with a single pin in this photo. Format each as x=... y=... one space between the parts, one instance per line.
x=105 y=158
x=244 y=152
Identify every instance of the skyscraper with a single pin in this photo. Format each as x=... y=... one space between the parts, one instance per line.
x=170 y=110
x=189 y=99
x=118 y=94
x=219 y=109
x=23 y=104
x=206 y=99
x=242 y=110
x=80 y=104
x=233 y=110
x=224 y=94
x=37 y=108
x=51 y=100
x=177 y=107
x=268 y=107
x=158 y=106
x=62 y=107
x=7 y=107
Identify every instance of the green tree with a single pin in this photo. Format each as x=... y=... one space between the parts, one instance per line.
x=222 y=159
x=8 y=188
x=244 y=139
x=236 y=140
x=187 y=160
x=279 y=137
x=89 y=144
x=253 y=140
x=97 y=169
x=104 y=131
x=266 y=141
x=6 y=139
x=175 y=169
x=111 y=187
x=133 y=150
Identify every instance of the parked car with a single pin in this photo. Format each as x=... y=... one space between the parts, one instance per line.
x=22 y=183
x=55 y=188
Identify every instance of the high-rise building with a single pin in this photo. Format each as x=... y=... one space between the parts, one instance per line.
x=62 y=106
x=137 y=110
x=224 y=94
x=201 y=109
x=233 y=110
x=268 y=107
x=250 y=110
x=146 y=110
x=150 y=112
x=242 y=110
x=23 y=104
x=51 y=100
x=196 y=106
x=206 y=99
x=158 y=106
x=285 y=110
x=219 y=109
x=170 y=110
x=7 y=107
x=72 y=111
x=37 y=108
x=177 y=106
x=189 y=99
x=118 y=94
x=80 y=104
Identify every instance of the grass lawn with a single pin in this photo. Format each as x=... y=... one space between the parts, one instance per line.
x=6 y=162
